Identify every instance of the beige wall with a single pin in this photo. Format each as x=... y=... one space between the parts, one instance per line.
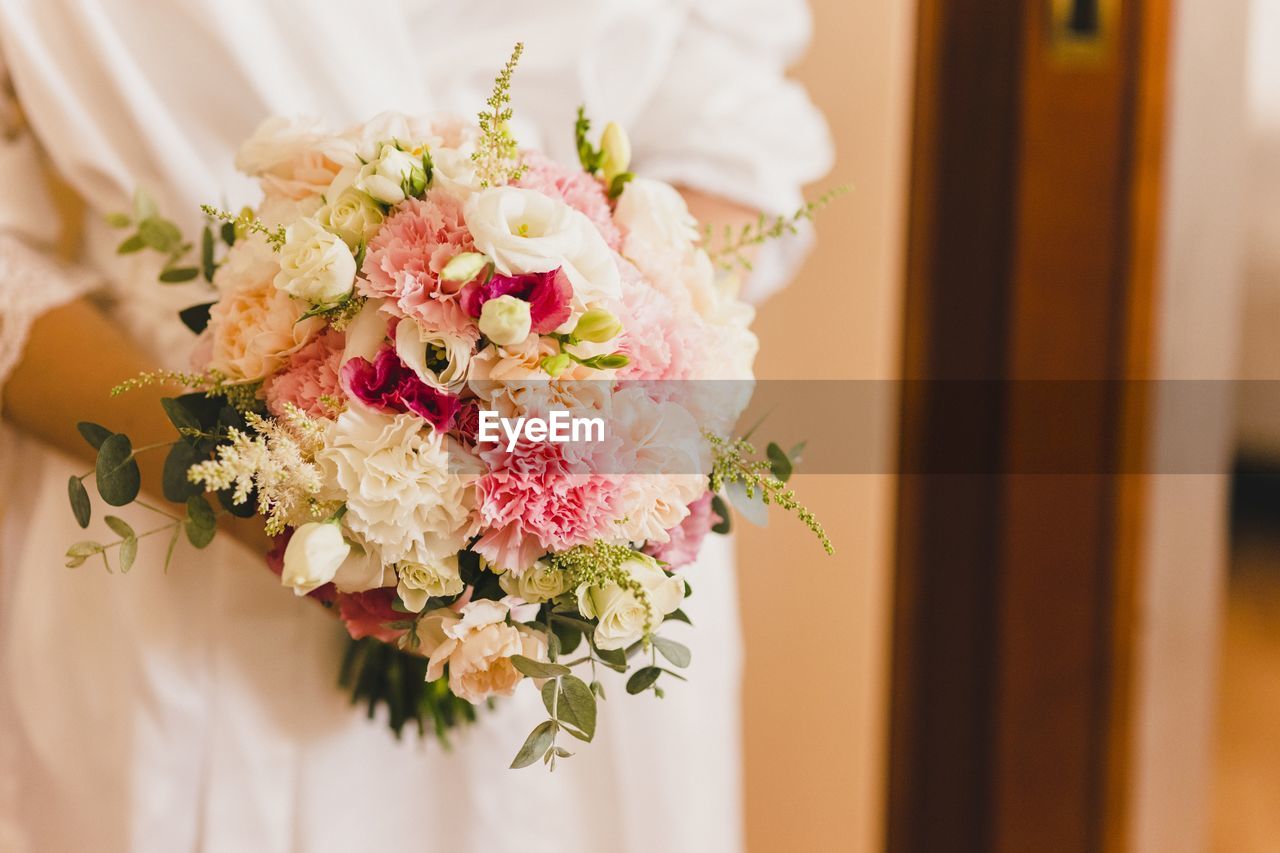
x=816 y=669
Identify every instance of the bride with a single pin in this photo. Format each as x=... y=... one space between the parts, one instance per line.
x=197 y=710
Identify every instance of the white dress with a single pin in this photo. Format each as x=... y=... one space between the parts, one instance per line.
x=198 y=710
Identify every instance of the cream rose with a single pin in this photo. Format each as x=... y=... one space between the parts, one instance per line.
x=313 y=555
x=409 y=489
x=440 y=359
x=420 y=581
x=620 y=613
x=654 y=215
x=392 y=176
x=536 y=584
x=524 y=231
x=352 y=215
x=315 y=265
x=477 y=646
x=253 y=326
x=505 y=320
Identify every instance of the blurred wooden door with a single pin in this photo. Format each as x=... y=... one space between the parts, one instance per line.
x=1033 y=218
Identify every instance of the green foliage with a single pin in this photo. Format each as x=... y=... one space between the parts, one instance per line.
x=729 y=251
x=588 y=155
x=571 y=705
x=677 y=653
x=642 y=679
x=80 y=505
x=116 y=472
x=93 y=433
x=200 y=522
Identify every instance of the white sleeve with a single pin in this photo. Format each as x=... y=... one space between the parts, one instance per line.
x=726 y=120
x=31 y=280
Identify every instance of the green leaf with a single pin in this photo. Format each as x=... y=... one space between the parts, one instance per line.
x=80 y=505
x=207 y=265
x=719 y=508
x=619 y=183
x=177 y=275
x=201 y=524
x=643 y=679
x=177 y=486
x=549 y=695
x=196 y=317
x=119 y=526
x=179 y=415
x=228 y=234
x=117 y=473
x=751 y=508
x=677 y=653
x=598 y=689
x=93 y=433
x=144 y=206
x=173 y=543
x=797 y=453
x=577 y=705
x=128 y=553
x=538 y=669
x=779 y=463
x=118 y=220
x=84 y=549
x=160 y=234
x=678 y=616
x=614 y=658
x=131 y=244
x=538 y=742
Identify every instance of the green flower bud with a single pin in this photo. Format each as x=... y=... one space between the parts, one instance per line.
x=597 y=326
x=554 y=365
x=464 y=267
x=615 y=151
x=613 y=361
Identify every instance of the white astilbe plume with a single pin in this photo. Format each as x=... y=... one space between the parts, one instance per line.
x=279 y=461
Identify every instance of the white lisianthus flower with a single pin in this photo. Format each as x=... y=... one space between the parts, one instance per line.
x=440 y=359
x=363 y=569
x=392 y=176
x=537 y=584
x=477 y=646
x=352 y=215
x=409 y=489
x=653 y=214
x=315 y=265
x=505 y=320
x=420 y=581
x=524 y=231
x=620 y=613
x=313 y=555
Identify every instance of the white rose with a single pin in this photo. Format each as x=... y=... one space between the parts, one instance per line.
x=536 y=584
x=313 y=555
x=654 y=215
x=392 y=176
x=440 y=359
x=315 y=265
x=621 y=615
x=524 y=231
x=362 y=570
x=420 y=581
x=505 y=320
x=352 y=215
x=409 y=489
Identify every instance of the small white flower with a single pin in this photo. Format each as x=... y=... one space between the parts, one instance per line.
x=537 y=584
x=505 y=320
x=392 y=176
x=620 y=613
x=352 y=215
x=313 y=555
x=420 y=581
x=439 y=358
x=315 y=265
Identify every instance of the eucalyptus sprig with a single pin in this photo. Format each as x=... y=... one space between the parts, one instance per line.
x=730 y=250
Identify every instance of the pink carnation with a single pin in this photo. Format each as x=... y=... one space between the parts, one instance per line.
x=686 y=539
x=661 y=342
x=404 y=259
x=310 y=374
x=575 y=188
x=534 y=500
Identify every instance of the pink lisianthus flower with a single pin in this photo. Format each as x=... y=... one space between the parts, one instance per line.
x=534 y=500
x=387 y=383
x=310 y=374
x=367 y=613
x=549 y=294
x=686 y=539
x=575 y=188
x=403 y=261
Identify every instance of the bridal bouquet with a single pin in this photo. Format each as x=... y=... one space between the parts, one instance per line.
x=482 y=401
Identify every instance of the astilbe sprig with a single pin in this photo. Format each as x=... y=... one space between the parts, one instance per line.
x=734 y=462
x=246 y=222
x=278 y=460
x=497 y=155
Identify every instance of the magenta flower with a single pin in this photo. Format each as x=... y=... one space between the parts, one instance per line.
x=548 y=293
x=389 y=384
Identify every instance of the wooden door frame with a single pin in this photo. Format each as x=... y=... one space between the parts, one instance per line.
x=1033 y=223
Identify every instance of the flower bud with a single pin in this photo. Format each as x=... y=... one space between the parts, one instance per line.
x=312 y=558
x=505 y=320
x=616 y=149
x=554 y=365
x=462 y=268
x=597 y=326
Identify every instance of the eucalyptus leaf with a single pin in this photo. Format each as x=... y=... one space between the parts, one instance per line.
x=177 y=275
x=724 y=525
x=84 y=549
x=538 y=669
x=677 y=653
x=200 y=523
x=642 y=679
x=614 y=658
x=679 y=616
x=173 y=543
x=80 y=504
x=779 y=463
x=535 y=746
x=751 y=508
x=196 y=317
x=228 y=234
x=207 y=266
x=130 y=245
x=577 y=705
x=93 y=433
x=797 y=453
x=179 y=415
x=160 y=234
x=128 y=552
x=144 y=206
x=116 y=472
x=175 y=482
x=118 y=220
x=119 y=526
x=549 y=695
